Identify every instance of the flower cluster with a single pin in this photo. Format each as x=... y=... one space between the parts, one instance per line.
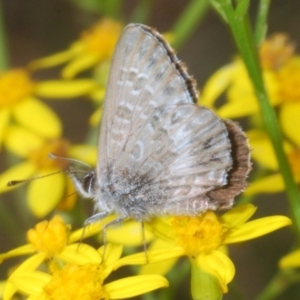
x=70 y=265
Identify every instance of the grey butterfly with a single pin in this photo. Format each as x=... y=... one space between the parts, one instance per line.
x=159 y=152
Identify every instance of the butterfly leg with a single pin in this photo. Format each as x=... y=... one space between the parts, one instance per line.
x=97 y=217
x=92 y=220
x=104 y=228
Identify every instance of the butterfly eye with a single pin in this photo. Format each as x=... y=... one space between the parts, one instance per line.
x=88 y=182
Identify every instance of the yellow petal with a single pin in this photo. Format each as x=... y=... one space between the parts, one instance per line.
x=216 y=85
x=85 y=153
x=80 y=254
x=112 y=253
x=129 y=234
x=161 y=228
x=65 y=88
x=52 y=60
x=291 y=260
x=243 y=100
x=96 y=117
x=269 y=184
x=29 y=264
x=154 y=256
x=44 y=194
x=2 y=285
x=162 y=267
x=38 y=117
x=219 y=265
x=22 y=141
x=4 y=118
x=34 y=297
x=256 y=228
x=70 y=198
x=290 y=120
x=135 y=285
x=262 y=149
x=26 y=249
x=238 y=215
x=21 y=171
x=98 y=95
x=79 y=64
x=31 y=282
x=238 y=109
x=90 y=229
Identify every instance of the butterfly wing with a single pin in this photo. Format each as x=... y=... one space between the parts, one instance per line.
x=142 y=77
x=181 y=153
x=159 y=152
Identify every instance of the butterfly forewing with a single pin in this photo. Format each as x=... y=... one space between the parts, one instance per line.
x=142 y=78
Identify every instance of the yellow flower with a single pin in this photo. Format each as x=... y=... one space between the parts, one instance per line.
x=19 y=101
x=95 y=45
x=71 y=265
x=51 y=239
x=35 y=149
x=264 y=154
x=281 y=73
x=202 y=238
x=86 y=281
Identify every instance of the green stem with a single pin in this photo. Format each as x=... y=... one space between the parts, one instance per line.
x=188 y=21
x=281 y=281
x=4 y=57
x=261 y=22
x=246 y=46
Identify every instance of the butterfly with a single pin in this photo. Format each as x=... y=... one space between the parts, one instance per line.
x=159 y=153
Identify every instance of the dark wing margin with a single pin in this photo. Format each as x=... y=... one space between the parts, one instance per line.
x=237 y=176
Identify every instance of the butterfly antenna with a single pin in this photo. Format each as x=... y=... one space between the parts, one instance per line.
x=15 y=182
x=54 y=156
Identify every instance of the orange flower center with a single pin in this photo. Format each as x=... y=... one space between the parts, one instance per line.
x=76 y=283
x=102 y=38
x=49 y=237
x=15 y=85
x=203 y=233
x=275 y=51
x=41 y=156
